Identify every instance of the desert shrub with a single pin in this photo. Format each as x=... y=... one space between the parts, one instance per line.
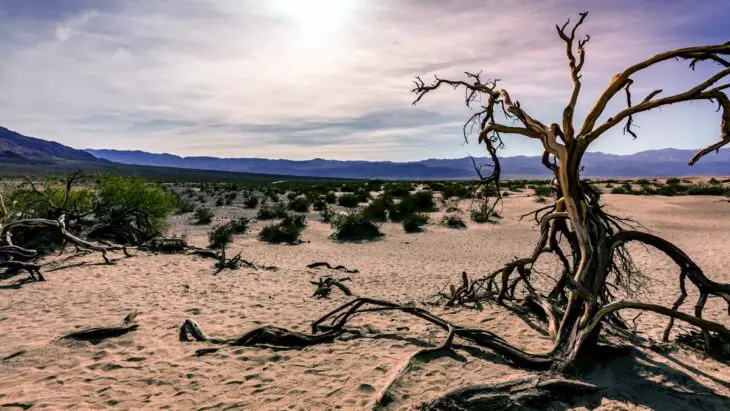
x=348 y=200
x=400 y=210
x=505 y=194
x=643 y=182
x=223 y=234
x=413 y=223
x=424 y=200
x=377 y=210
x=330 y=198
x=453 y=221
x=291 y=195
x=271 y=213
x=354 y=226
x=668 y=190
x=185 y=205
x=673 y=181
x=251 y=202
x=326 y=215
x=23 y=202
x=299 y=204
x=454 y=190
x=220 y=201
x=319 y=204
x=708 y=190
x=203 y=215
x=287 y=231
x=299 y=220
x=400 y=190
x=619 y=190
x=715 y=182
x=131 y=208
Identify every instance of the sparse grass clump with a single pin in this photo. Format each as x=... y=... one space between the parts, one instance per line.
x=453 y=221
x=482 y=217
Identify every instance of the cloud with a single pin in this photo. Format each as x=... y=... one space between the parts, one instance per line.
x=250 y=78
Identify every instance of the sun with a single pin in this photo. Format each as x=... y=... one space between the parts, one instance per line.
x=316 y=18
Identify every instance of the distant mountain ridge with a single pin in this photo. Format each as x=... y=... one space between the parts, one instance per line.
x=652 y=163
x=17 y=148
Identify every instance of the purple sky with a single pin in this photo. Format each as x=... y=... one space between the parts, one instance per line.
x=330 y=78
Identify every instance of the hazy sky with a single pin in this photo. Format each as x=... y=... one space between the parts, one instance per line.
x=317 y=78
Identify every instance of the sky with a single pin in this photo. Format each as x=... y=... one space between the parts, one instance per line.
x=302 y=79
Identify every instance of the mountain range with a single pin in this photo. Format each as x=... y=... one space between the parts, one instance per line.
x=17 y=151
x=652 y=163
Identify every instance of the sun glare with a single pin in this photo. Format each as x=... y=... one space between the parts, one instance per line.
x=316 y=18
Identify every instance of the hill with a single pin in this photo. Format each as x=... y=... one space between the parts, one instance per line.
x=17 y=148
x=653 y=163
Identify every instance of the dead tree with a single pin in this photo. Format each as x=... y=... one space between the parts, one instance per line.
x=595 y=263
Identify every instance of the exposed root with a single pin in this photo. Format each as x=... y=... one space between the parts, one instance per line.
x=384 y=397
x=97 y=334
x=339 y=267
x=533 y=392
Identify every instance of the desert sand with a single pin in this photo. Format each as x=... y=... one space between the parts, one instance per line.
x=150 y=369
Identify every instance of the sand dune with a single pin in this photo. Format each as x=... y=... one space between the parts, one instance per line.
x=150 y=369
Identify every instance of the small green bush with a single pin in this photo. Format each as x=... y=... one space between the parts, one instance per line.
x=299 y=204
x=377 y=210
x=223 y=234
x=330 y=198
x=185 y=206
x=133 y=206
x=619 y=190
x=706 y=190
x=424 y=200
x=348 y=200
x=414 y=223
x=251 y=202
x=287 y=231
x=354 y=227
x=271 y=213
x=203 y=216
x=319 y=204
x=673 y=181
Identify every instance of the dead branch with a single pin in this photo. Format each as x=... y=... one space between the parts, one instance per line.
x=96 y=334
x=339 y=267
x=324 y=286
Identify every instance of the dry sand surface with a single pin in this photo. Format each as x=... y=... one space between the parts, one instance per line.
x=150 y=369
